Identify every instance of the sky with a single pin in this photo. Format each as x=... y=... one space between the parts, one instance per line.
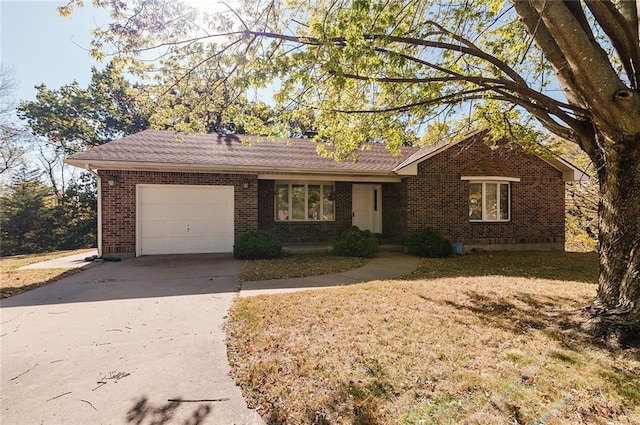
x=42 y=47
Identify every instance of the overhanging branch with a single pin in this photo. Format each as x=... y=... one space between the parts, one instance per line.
x=622 y=36
x=449 y=99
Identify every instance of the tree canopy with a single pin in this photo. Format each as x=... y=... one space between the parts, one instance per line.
x=72 y=118
x=417 y=70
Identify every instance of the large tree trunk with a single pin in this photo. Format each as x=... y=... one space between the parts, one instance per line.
x=616 y=309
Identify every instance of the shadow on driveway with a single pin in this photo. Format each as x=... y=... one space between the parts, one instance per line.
x=143 y=277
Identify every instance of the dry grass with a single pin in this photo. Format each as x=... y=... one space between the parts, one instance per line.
x=13 y=281
x=299 y=266
x=469 y=347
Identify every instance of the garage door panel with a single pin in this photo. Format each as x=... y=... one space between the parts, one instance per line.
x=159 y=212
x=163 y=196
x=203 y=245
x=210 y=229
x=185 y=219
x=219 y=198
x=165 y=229
x=210 y=212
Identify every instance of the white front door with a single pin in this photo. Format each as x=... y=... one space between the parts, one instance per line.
x=181 y=219
x=367 y=206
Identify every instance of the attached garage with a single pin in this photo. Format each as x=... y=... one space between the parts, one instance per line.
x=183 y=219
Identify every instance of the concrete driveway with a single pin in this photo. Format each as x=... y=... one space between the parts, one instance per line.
x=137 y=341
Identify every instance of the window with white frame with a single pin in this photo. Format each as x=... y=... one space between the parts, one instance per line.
x=489 y=201
x=304 y=201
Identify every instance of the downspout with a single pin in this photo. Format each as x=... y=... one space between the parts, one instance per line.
x=99 y=201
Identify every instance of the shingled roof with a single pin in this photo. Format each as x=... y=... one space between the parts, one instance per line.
x=168 y=150
x=231 y=152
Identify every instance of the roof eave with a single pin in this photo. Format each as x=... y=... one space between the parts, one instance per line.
x=570 y=173
x=209 y=168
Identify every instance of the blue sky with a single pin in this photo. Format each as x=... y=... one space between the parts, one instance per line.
x=44 y=48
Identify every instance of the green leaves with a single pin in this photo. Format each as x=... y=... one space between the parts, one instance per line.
x=418 y=65
x=73 y=118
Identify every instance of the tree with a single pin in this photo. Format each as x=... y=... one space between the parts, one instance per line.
x=397 y=71
x=34 y=219
x=75 y=214
x=27 y=222
x=581 y=204
x=72 y=118
x=11 y=135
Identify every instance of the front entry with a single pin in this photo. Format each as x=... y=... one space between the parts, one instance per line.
x=367 y=206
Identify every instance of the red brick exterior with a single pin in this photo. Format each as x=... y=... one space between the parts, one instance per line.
x=436 y=197
x=394 y=211
x=119 y=203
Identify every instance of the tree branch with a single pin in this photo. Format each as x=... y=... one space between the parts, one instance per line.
x=545 y=41
x=592 y=71
x=450 y=99
x=416 y=80
x=556 y=106
x=621 y=35
x=341 y=41
x=542 y=115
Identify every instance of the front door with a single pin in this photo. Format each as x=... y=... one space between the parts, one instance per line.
x=367 y=206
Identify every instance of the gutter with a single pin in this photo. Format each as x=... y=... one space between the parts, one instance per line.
x=212 y=168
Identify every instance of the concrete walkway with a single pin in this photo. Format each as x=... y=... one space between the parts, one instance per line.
x=74 y=261
x=385 y=265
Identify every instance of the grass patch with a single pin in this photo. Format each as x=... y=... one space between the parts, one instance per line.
x=14 y=281
x=299 y=266
x=553 y=265
x=476 y=348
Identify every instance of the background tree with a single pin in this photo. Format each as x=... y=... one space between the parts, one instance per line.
x=71 y=118
x=75 y=214
x=36 y=219
x=581 y=204
x=11 y=135
x=415 y=70
x=27 y=222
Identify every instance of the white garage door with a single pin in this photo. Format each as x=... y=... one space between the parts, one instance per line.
x=177 y=219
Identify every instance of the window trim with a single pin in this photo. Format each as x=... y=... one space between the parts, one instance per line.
x=490 y=179
x=484 y=181
x=306 y=183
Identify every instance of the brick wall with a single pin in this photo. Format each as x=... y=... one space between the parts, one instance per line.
x=437 y=198
x=394 y=199
x=119 y=203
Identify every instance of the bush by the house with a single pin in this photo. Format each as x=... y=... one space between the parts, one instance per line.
x=254 y=244
x=356 y=243
x=429 y=242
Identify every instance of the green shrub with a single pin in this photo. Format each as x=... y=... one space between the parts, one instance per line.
x=254 y=244
x=429 y=242
x=356 y=243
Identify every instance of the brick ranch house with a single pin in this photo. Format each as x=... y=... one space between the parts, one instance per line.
x=164 y=193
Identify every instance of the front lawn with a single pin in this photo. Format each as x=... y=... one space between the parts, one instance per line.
x=299 y=266
x=14 y=281
x=478 y=339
